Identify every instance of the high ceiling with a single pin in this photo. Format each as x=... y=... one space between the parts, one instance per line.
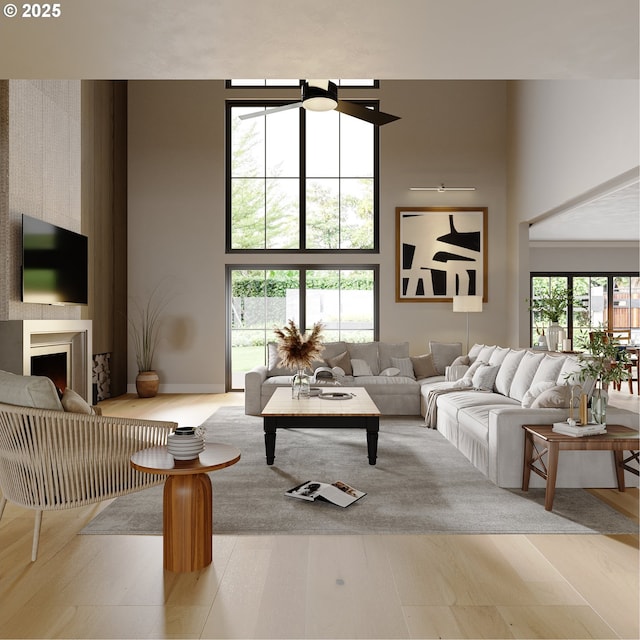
x=403 y=39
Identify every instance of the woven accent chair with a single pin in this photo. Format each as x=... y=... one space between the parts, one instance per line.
x=51 y=460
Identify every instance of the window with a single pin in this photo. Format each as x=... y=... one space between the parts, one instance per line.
x=607 y=300
x=261 y=297
x=300 y=180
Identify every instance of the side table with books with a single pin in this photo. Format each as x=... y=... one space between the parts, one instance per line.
x=541 y=440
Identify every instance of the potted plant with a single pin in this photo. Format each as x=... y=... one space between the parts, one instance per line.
x=550 y=305
x=297 y=351
x=144 y=325
x=605 y=363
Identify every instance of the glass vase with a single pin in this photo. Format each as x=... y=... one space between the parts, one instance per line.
x=599 y=401
x=300 y=385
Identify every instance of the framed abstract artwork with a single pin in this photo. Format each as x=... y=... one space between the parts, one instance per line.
x=441 y=252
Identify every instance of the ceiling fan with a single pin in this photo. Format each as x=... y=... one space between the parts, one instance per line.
x=322 y=95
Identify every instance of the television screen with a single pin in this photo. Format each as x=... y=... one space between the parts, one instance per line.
x=54 y=264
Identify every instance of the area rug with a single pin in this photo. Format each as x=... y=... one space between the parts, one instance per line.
x=421 y=484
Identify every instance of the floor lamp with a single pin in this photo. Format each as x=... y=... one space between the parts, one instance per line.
x=467 y=304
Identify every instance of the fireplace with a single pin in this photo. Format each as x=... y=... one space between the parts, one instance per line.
x=60 y=348
x=54 y=363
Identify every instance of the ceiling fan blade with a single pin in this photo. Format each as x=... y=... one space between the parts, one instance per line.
x=266 y=112
x=363 y=113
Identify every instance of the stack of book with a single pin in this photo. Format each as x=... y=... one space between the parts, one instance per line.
x=579 y=430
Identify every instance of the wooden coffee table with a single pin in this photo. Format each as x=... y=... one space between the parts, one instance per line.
x=617 y=439
x=187 y=506
x=358 y=412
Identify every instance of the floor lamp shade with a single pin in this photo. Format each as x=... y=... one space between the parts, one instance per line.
x=467 y=304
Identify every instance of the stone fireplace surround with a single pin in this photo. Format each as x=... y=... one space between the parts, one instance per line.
x=22 y=339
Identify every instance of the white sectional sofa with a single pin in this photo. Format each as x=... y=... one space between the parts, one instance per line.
x=499 y=390
x=386 y=370
x=483 y=418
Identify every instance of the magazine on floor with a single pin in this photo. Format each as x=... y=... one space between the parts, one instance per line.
x=337 y=493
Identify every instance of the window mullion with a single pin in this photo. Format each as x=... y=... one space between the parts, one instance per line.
x=303 y=181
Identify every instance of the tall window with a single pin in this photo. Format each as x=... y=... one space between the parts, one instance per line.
x=344 y=299
x=606 y=300
x=300 y=180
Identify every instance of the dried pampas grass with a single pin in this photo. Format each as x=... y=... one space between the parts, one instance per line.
x=298 y=351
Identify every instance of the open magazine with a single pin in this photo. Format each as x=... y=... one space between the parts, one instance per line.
x=337 y=493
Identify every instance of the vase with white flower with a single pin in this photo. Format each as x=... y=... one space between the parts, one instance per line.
x=297 y=351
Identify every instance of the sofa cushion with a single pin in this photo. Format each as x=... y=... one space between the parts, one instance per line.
x=473 y=352
x=423 y=366
x=525 y=373
x=273 y=366
x=367 y=351
x=37 y=392
x=486 y=352
x=549 y=369
x=389 y=350
x=444 y=353
x=453 y=402
x=508 y=369
x=498 y=355
x=405 y=366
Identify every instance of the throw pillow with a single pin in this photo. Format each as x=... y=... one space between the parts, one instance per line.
x=360 y=367
x=467 y=378
x=343 y=361
x=556 y=397
x=423 y=366
x=485 y=376
x=461 y=360
x=534 y=391
x=74 y=403
x=390 y=372
x=444 y=353
x=388 y=350
x=405 y=365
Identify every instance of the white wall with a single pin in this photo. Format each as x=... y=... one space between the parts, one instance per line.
x=566 y=138
x=450 y=131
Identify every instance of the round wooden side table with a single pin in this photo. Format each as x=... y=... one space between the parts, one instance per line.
x=187 y=508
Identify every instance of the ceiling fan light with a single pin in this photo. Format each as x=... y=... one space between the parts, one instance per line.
x=317 y=99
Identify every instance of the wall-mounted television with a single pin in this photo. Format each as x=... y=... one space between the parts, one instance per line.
x=54 y=264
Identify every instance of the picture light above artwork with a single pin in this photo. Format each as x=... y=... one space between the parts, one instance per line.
x=442 y=188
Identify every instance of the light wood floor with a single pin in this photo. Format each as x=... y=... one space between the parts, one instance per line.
x=443 y=586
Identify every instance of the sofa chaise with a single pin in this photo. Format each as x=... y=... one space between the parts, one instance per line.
x=492 y=391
